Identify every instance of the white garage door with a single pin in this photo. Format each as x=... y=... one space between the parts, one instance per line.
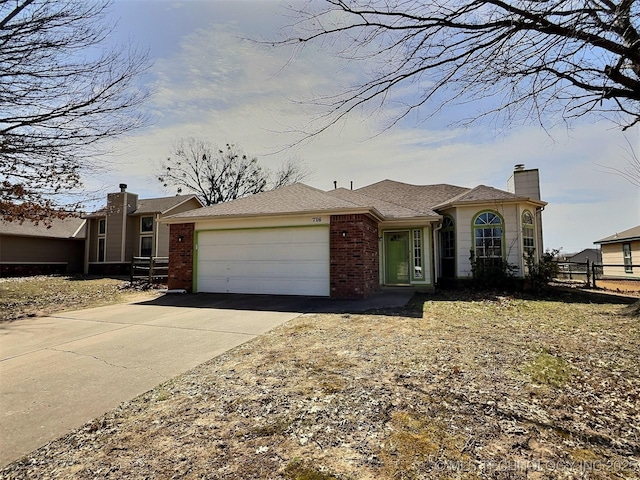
x=280 y=261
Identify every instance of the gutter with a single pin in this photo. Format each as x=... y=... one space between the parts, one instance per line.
x=436 y=247
x=203 y=218
x=617 y=240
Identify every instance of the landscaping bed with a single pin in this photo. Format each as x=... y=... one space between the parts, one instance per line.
x=457 y=385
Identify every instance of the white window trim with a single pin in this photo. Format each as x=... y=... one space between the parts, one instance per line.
x=146 y=232
x=140 y=245
x=101 y=236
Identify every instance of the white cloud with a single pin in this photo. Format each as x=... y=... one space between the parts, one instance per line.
x=217 y=85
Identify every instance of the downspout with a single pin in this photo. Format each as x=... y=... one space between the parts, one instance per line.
x=87 y=245
x=436 y=247
x=539 y=211
x=123 y=240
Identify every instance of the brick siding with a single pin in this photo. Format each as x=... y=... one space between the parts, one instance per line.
x=181 y=256
x=354 y=258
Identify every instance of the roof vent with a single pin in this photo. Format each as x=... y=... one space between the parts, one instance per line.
x=519 y=167
x=123 y=187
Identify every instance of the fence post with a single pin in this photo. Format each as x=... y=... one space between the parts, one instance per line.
x=150 y=269
x=593 y=267
x=132 y=267
x=588 y=275
x=570 y=273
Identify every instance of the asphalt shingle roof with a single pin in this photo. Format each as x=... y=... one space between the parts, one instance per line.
x=632 y=233
x=290 y=199
x=391 y=199
x=388 y=209
x=160 y=205
x=70 y=227
x=481 y=193
x=421 y=198
x=150 y=205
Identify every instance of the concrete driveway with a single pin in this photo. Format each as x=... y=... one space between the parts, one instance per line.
x=61 y=371
x=58 y=372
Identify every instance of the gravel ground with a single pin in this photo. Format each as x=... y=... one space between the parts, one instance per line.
x=467 y=386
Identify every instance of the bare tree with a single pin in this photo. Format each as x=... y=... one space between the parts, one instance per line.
x=220 y=175
x=62 y=92
x=631 y=170
x=290 y=171
x=531 y=58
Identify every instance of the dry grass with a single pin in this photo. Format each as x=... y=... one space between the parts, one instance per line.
x=465 y=388
x=42 y=295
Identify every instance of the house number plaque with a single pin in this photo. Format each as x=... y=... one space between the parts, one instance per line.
x=316 y=219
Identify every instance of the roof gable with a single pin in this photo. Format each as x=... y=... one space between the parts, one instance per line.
x=481 y=193
x=162 y=204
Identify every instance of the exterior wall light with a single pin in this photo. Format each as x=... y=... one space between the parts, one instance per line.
x=180 y=238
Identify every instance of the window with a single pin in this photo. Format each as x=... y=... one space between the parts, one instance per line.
x=417 y=254
x=447 y=237
x=528 y=233
x=146 y=246
x=448 y=248
x=626 y=253
x=146 y=224
x=488 y=228
x=101 y=243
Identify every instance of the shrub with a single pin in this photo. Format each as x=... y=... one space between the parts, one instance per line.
x=541 y=271
x=492 y=273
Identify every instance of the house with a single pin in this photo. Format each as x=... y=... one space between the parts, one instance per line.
x=299 y=240
x=592 y=255
x=129 y=227
x=54 y=247
x=618 y=254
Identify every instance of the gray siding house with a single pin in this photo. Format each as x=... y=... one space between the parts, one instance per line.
x=130 y=227
x=31 y=249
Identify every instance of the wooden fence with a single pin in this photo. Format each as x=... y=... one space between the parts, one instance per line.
x=589 y=272
x=152 y=269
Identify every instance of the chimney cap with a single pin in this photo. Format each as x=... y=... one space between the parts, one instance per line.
x=518 y=167
x=123 y=187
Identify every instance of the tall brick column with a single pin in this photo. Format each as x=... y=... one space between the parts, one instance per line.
x=181 y=245
x=354 y=269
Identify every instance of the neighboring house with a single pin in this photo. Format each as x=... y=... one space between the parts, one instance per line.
x=620 y=252
x=30 y=249
x=592 y=255
x=129 y=227
x=299 y=240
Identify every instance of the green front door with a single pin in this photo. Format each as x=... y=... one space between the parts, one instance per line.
x=397 y=258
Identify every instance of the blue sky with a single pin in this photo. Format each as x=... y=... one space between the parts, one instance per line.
x=210 y=80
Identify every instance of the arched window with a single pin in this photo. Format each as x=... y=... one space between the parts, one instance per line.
x=528 y=233
x=488 y=228
x=448 y=247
